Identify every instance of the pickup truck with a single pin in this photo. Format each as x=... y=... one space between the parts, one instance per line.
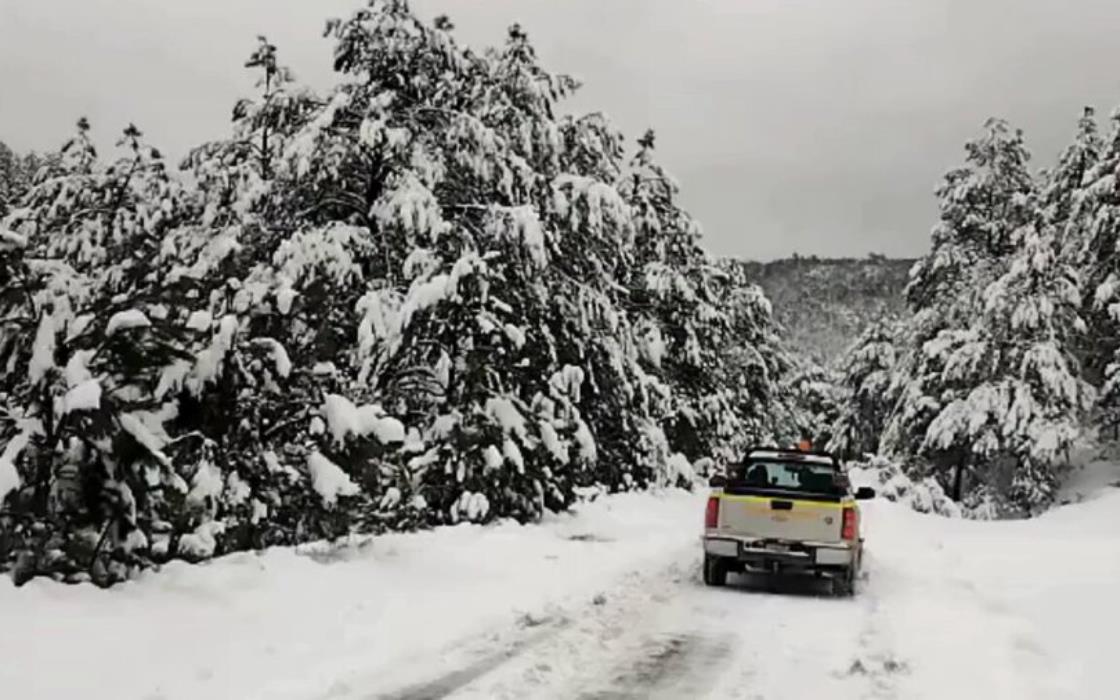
x=782 y=511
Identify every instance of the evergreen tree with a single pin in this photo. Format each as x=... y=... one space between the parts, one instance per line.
x=1025 y=399
x=813 y=407
x=1092 y=240
x=425 y=297
x=254 y=387
x=82 y=341
x=17 y=175
x=866 y=373
x=754 y=364
x=677 y=288
x=1060 y=199
x=982 y=205
x=9 y=179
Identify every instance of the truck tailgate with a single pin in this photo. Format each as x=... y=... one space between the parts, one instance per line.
x=773 y=517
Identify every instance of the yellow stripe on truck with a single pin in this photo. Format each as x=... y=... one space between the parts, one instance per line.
x=766 y=500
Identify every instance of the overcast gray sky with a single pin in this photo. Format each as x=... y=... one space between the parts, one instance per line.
x=810 y=126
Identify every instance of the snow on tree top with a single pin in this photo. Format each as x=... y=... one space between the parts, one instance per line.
x=344 y=420
x=126 y=320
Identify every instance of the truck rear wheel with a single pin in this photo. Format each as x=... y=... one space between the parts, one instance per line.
x=844 y=585
x=715 y=571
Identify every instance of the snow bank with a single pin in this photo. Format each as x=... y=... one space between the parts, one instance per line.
x=890 y=483
x=996 y=609
x=1096 y=473
x=295 y=624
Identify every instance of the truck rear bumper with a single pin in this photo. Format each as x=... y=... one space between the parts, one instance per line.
x=771 y=554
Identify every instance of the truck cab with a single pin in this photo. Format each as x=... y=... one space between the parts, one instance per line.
x=784 y=511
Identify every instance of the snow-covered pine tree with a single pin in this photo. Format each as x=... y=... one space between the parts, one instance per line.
x=11 y=177
x=675 y=292
x=1027 y=399
x=754 y=364
x=813 y=405
x=235 y=175
x=1093 y=241
x=253 y=385
x=17 y=175
x=1060 y=199
x=405 y=303
x=431 y=181
x=83 y=343
x=1035 y=309
x=982 y=204
x=1067 y=211
x=866 y=373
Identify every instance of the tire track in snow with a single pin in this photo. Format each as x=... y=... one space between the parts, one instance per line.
x=450 y=682
x=793 y=640
x=527 y=662
x=875 y=662
x=669 y=666
x=605 y=641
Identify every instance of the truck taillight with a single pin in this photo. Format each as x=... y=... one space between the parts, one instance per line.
x=851 y=521
x=711 y=514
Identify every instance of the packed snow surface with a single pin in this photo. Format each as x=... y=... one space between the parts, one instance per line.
x=605 y=602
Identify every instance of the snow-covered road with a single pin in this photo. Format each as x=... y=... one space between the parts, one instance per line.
x=603 y=604
x=949 y=610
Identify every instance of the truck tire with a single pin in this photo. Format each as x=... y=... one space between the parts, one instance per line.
x=844 y=585
x=715 y=571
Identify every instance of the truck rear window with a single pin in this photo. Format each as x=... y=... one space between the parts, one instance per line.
x=786 y=477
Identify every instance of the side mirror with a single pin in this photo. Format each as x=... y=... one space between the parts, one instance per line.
x=864 y=493
x=717 y=481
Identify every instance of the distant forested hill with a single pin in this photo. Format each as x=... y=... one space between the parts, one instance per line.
x=824 y=304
